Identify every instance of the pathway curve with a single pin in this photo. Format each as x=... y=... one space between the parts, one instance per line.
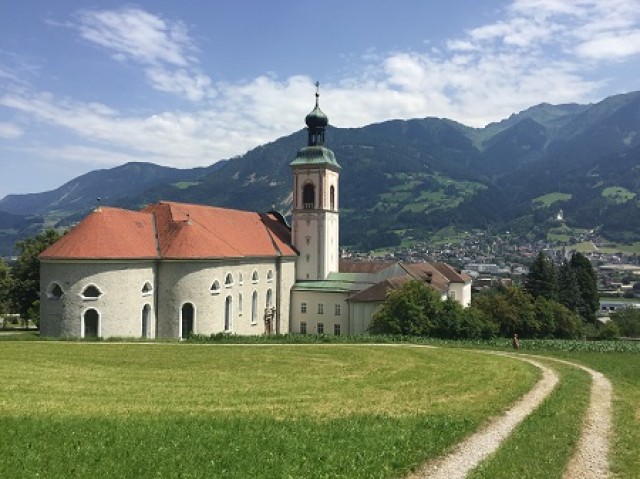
x=590 y=460
x=468 y=454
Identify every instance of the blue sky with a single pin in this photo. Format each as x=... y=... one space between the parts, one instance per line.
x=90 y=85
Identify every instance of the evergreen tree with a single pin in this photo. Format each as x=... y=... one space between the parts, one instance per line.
x=568 y=287
x=542 y=280
x=588 y=285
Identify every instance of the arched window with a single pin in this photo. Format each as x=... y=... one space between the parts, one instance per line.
x=91 y=324
x=239 y=304
x=146 y=321
x=332 y=198
x=228 y=314
x=240 y=278
x=308 y=196
x=91 y=292
x=215 y=287
x=254 y=277
x=54 y=291
x=254 y=308
x=269 y=298
x=228 y=281
x=187 y=314
x=269 y=276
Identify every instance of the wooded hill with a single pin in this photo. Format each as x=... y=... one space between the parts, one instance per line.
x=406 y=178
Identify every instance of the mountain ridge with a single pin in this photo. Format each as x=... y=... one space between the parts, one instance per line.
x=416 y=175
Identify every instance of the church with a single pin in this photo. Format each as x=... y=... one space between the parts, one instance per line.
x=173 y=269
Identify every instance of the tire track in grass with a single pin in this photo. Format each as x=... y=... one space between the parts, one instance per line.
x=468 y=454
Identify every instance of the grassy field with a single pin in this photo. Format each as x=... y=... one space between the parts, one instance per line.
x=76 y=409
x=73 y=409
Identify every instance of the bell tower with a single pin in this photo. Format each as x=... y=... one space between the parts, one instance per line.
x=314 y=222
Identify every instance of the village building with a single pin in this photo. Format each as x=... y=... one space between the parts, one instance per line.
x=176 y=269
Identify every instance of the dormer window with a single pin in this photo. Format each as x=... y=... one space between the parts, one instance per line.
x=54 y=291
x=228 y=281
x=215 y=287
x=91 y=292
x=147 y=289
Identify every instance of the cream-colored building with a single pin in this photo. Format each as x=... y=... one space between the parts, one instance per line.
x=175 y=269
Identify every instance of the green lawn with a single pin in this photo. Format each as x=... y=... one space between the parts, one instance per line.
x=73 y=409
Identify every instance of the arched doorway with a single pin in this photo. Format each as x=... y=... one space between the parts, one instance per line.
x=188 y=314
x=91 y=321
x=146 y=321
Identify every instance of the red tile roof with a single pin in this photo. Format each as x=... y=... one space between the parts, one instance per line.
x=109 y=233
x=171 y=230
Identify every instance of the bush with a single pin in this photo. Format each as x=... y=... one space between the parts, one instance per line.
x=609 y=331
x=628 y=321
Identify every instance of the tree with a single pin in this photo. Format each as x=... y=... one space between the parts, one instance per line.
x=410 y=310
x=5 y=287
x=542 y=279
x=511 y=309
x=588 y=285
x=568 y=287
x=628 y=321
x=25 y=289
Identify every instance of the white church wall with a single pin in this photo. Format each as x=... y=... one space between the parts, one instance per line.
x=119 y=304
x=192 y=282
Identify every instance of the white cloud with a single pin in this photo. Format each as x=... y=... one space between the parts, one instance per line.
x=539 y=51
x=162 y=47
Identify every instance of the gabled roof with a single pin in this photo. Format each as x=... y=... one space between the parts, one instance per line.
x=452 y=274
x=171 y=230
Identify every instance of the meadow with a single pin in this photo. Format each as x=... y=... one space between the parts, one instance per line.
x=107 y=409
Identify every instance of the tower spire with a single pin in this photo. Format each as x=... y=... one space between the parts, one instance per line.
x=316 y=122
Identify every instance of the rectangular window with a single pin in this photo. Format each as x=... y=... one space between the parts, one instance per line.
x=303 y=328
x=303 y=308
x=336 y=330
x=320 y=328
x=452 y=294
x=320 y=308
x=336 y=310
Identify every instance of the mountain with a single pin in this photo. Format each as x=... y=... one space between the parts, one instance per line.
x=407 y=179
x=109 y=185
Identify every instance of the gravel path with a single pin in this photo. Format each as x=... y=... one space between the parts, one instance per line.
x=590 y=461
x=473 y=450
